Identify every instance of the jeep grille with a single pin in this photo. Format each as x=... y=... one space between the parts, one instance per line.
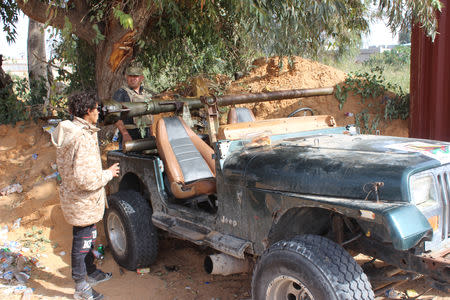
x=441 y=235
x=444 y=192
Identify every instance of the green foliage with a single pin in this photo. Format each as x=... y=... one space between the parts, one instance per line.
x=75 y=58
x=397 y=107
x=423 y=13
x=396 y=74
x=399 y=56
x=404 y=36
x=306 y=28
x=364 y=84
x=9 y=16
x=372 y=85
x=98 y=35
x=188 y=39
x=125 y=19
x=11 y=109
x=24 y=104
x=182 y=39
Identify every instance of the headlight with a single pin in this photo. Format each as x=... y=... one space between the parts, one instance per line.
x=423 y=191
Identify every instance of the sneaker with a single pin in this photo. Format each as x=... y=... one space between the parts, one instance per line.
x=86 y=292
x=98 y=276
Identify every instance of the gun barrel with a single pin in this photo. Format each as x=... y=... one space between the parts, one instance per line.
x=270 y=96
x=115 y=111
x=139 y=145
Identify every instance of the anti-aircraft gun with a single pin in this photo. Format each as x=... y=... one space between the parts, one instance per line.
x=114 y=111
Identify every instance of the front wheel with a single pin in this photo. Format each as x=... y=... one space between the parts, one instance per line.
x=129 y=230
x=309 y=267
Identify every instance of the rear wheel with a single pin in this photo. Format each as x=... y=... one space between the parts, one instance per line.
x=129 y=230
x=309 y=267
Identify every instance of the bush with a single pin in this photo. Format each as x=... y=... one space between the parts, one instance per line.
x=399 y=56
x=394 y=103
x=19 y=102
x=12 y=110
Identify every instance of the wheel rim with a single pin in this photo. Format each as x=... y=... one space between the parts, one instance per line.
x=116 y=233
x=287 y=288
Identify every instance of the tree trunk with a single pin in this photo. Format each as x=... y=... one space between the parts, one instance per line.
x=37 y=61
x=108 y=80
x=114 y=52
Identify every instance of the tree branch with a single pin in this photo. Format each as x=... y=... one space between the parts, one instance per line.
x=55 y=16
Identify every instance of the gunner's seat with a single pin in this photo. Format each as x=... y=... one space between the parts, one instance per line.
x=188 y=160
x=239 y=115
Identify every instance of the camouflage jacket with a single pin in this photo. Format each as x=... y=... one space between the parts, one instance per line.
x=82 y=192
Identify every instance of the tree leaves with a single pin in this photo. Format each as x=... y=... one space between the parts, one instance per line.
x=402 y=13
x=179 y=39
x=99 y=36
x=125 y=19
x=9 y=16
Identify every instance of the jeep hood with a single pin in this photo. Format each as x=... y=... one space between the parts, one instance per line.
x=335 y=165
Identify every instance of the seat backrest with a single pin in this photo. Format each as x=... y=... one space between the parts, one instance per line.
x=188 y=160
x=240 y=115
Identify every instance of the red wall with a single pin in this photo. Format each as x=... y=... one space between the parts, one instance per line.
x=430 y=81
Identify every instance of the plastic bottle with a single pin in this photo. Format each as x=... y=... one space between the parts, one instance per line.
x=4 y=233
x=101 y=249
x=54 y=175
x=116 y=136
x=97 y=254
x=20 y=262
x=16 y=224
x=27 y=294
x=393 y=294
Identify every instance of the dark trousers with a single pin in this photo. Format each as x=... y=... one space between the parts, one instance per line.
x=82 y=256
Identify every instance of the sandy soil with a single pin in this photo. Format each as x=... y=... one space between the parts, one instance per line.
x=27 y=157
x=304 y=75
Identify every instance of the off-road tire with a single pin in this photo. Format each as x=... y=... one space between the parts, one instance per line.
x=323 y=267
x=135 y=215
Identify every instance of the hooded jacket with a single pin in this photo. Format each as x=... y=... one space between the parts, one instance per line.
x=82 y=192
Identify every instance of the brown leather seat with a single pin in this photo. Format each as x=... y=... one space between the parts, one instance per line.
x=188 y=160
x=240 y=115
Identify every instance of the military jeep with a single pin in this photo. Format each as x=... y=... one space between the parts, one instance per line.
x=293 y=195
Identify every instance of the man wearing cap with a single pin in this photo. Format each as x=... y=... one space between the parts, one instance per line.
x=137 y=127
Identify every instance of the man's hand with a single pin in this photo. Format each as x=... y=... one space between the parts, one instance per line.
x=126 y=137
x=115 y=169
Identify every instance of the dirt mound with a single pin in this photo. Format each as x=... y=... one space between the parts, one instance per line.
x=268 y=76
x=38 y=230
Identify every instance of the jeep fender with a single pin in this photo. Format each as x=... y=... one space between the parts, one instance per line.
x=401 y=224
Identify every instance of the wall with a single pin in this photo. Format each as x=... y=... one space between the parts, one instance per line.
x=430 y=81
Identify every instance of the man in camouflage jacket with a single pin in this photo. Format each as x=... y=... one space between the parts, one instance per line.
x=82 y=193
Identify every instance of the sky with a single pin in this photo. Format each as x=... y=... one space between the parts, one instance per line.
x=19 y=48
x=379 y=35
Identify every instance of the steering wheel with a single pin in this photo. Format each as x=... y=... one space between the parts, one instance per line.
x=304 y=109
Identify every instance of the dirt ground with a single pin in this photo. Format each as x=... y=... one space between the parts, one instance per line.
x=27 y=157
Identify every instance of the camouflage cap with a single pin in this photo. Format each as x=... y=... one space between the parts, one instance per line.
x=134 y=71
